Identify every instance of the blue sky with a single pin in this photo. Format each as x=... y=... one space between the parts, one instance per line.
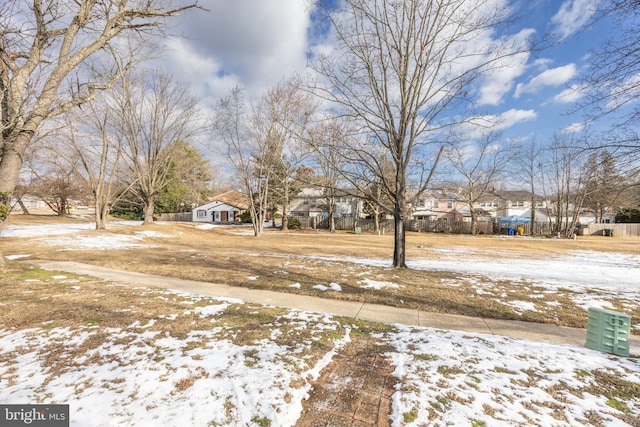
x=256 y=43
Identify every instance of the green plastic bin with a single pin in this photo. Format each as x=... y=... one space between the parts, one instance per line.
x=608 y=331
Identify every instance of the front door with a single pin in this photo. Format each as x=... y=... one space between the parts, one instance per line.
x=224 y=216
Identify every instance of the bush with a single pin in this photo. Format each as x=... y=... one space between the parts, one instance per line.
x=628 y=215
x=294 y=223
x=245 y=217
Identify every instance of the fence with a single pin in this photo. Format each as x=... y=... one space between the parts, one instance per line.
x=429 y=226
x=182 y=216
x=617 y=230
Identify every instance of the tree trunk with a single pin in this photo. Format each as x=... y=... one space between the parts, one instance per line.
x=10 y=164
x=22 y=206
x=285 y=214
x=474 y=220
x=148 y=212
x=101 y=214
x=533 y=211
x=399 y=240
x=332 y=218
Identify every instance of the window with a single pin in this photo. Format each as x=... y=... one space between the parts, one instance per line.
x=201 y=214
x=435 y=205
x=449 y=205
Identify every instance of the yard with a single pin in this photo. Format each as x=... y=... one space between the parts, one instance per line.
x=143 y=354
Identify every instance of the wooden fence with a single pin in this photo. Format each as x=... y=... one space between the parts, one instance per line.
x=182 y=216
x=439 y=226
x=614 y=230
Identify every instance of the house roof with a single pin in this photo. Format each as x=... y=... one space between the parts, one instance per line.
x=516 y=195
x=232 y=198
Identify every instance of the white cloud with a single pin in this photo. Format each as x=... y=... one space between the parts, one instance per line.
x=512 y=117
x=255 y=42
x=574 y=128
x=552 y=77
x=572 y=94
x=500 y=81
x=573 y=15
x=480 y=125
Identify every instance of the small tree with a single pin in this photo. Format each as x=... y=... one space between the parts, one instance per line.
x=478 y=166
x=156 y=117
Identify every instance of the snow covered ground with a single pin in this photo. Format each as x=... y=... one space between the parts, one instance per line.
x=146 y=378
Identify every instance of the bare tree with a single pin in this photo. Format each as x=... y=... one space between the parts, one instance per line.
x=605 y=185
x=397 y=70
x=478 y=166
x=155 y=117
x=325 y=138
x=247 y=140
x=612 y=84
x=564 y=181
x=93 y=138
x=528 y=164
x=54 y=174
x=45 y=53
x=288 y=108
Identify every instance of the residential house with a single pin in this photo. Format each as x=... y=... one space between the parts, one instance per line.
x=438 y=204
x=311 y=202
x=223 y=208
x=510 y=203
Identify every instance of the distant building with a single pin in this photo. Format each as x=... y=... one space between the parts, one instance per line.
x=223 y=208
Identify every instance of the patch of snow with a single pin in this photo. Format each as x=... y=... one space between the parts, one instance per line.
x=211 y=310
x=376 y=284
x=17 y=256
x=335 y=287
x=522 y=306
x=205 y=227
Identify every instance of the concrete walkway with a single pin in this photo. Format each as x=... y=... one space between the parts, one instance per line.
x=352 y=309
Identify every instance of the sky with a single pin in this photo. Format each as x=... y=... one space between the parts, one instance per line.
x=256 y=43
x=134 y=375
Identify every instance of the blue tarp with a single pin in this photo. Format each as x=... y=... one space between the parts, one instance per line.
x=514 y=219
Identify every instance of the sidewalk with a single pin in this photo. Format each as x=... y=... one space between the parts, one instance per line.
x=351 y=309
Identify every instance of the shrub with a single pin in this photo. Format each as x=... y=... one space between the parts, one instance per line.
x=294 y=223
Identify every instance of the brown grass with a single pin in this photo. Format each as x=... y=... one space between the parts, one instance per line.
x=277 y=260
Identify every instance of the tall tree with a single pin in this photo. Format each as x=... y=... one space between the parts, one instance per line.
x=46 y=54
x=326 y=138
x=92 y=137
x=287 y=107
x=188 y=181
x=248 y=139
x=529 y=166
x=398 y=70
x=611 y=85
x=564 y=180
x=604 y=184
x=156 y=117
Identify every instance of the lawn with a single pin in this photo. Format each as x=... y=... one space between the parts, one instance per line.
x=145 y=355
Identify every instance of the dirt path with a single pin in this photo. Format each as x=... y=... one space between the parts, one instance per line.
x=354 y=390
